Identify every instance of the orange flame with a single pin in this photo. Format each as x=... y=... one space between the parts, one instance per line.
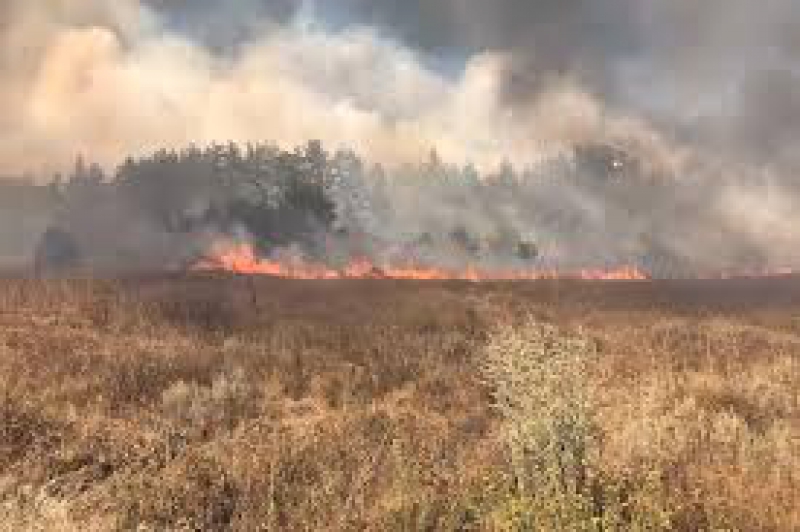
x=242 y=259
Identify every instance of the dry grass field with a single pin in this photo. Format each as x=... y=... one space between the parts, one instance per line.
x=216 y=403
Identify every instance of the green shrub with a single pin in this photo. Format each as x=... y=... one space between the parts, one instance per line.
x=540 y=384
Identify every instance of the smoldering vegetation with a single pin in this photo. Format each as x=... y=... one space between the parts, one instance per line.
x=25 y=212
x=600 y=206
x=216 y=403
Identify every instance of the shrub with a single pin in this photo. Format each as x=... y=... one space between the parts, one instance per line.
x=541 y=388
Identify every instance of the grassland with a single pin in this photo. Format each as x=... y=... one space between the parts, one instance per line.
x=211 y=403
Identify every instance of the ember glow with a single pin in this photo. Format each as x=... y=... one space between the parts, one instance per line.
x=242 y=259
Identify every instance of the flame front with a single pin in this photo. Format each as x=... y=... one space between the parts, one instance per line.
x=242 y=259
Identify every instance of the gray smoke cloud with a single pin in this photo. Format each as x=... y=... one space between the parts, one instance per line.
x=720 y=73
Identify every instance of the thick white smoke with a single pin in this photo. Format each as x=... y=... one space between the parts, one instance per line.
x=109 y=79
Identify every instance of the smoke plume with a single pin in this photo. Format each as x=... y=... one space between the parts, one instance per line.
x=113 y=78
x=703 y=96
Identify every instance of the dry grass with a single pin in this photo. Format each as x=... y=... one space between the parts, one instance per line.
x=239 y=404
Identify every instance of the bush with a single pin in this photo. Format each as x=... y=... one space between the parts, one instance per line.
x=541 y=387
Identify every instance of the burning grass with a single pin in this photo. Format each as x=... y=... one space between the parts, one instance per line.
x=221 y=403
x=242 y=259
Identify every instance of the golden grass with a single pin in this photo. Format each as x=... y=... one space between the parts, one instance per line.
x=238 y=404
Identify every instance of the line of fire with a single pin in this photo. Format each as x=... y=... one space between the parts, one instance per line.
x=311 y=214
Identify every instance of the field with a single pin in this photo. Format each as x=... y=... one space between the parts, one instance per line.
x=221 y=403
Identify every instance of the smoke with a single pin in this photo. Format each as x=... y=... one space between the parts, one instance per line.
x=704 y=96
x=395 y=78
x=719 y=75
x=110 y=79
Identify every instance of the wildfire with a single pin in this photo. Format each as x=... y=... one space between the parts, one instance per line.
x=242 y=259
